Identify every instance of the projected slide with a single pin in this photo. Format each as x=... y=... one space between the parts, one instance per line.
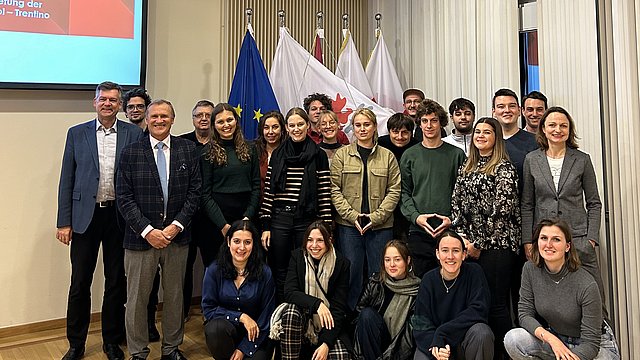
x=72 y=42
x=70 y=17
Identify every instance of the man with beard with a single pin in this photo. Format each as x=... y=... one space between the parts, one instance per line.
x=135 y=102
x=462 y=113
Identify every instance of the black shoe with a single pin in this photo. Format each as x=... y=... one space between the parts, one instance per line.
x=74 y=353
x=154 y=335
x=113 y=351
x=175 y=355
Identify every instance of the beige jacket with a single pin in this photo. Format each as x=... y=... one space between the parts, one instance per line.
x=346 y=185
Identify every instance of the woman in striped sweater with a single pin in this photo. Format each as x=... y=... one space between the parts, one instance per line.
x=297 y=192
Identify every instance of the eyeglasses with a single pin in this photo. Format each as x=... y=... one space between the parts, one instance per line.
x=136 y=107
x=202 y=116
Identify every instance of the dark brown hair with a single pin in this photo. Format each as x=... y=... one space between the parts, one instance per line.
x=215 y=152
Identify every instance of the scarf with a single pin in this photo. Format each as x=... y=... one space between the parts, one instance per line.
x=316 y=285
x=404 y=291
x=302 y=154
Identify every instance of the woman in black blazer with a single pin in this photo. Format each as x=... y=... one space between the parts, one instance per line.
x=316 y=288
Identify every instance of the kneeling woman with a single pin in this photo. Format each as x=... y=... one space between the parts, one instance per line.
x=556 y=289
x=316 y=292
x=452 y=307
x=383 y=329
x=238 y=297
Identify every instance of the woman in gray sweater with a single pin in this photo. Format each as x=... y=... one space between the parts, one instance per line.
x=560 y=306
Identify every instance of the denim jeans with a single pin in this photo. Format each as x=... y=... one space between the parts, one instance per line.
x=357 y=248
x=521 y=345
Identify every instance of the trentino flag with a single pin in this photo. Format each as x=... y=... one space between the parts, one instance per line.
x=296 y=74
x=350 y=67
x=383 y=77
x=251 y=92
x=317 y=45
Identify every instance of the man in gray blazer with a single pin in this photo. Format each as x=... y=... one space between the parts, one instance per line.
x=87 y=217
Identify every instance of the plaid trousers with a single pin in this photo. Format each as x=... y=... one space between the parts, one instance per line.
x=293 y=341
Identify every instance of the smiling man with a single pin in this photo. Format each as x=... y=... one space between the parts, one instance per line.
x=463 y=113
x=534 y=104
x=87 y=219
x=429 y=172
x=157 y=230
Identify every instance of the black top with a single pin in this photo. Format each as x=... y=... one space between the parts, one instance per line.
x=364 y=154
x=337 y=293
x=385 y=142
x=443 y=317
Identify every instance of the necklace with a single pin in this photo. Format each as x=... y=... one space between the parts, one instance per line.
x=558 y=282
x=242 y=272
x=448 y=287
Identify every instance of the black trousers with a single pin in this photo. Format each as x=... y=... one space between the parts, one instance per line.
x=498 y=266
x=372 y=334
x=223 y=337
x=423 y=252
x=287 y=232
x=104 y=230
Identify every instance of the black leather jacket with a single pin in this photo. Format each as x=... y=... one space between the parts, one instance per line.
x=402 y=346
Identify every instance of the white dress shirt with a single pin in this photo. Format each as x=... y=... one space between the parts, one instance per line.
x=107 y=140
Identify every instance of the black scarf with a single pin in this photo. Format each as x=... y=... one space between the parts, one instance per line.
x=302 y=154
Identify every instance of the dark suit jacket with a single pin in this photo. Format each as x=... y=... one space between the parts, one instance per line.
x=139 y=192
x=81 y=171
x=577 y=185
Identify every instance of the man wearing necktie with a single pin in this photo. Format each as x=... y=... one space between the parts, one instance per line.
x=158 y=190
x=87 y=219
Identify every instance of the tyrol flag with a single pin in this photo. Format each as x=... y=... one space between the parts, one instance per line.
x=251 y=92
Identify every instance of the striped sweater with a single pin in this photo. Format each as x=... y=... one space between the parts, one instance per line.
x=291 y=195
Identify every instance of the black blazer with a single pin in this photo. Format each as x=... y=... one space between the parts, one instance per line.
x=139 y=192
x=336 y=294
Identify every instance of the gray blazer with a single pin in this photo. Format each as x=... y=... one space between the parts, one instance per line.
x=577 y=185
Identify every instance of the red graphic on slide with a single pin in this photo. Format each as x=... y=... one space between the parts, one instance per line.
x=101 y=18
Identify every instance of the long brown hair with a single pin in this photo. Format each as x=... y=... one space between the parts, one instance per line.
x=261 y=141
x=571 y=258
x=215 y=152
x=497 y=156
x=405 y=254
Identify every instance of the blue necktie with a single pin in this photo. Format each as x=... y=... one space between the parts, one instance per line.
x=162 y=171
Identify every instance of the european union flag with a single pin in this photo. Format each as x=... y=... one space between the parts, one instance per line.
x=251 y=92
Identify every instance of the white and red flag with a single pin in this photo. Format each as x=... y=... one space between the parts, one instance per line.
x=295 y=74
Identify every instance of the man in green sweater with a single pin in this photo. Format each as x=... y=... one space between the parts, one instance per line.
x=429 y=170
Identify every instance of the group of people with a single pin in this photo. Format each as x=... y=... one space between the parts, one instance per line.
x=408 y=245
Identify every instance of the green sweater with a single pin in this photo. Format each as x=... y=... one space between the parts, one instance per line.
x=234 y=177
x=428 y=178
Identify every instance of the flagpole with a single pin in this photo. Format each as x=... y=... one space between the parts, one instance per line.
x=378 y=17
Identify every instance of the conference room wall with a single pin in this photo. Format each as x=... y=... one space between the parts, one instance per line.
x=184 y=65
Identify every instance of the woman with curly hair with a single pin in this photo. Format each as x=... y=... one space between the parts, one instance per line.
x=230 y=173
x=486 y=208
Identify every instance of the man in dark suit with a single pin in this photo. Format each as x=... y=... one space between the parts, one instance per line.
x=158 y=191
x=87 y=217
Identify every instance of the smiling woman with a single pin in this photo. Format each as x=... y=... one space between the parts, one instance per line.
x=452 y=307
x=230 y=173
x=485 y=207
x=238 y=297
x=554 y=276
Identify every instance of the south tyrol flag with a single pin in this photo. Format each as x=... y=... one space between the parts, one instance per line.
x=251 y=93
